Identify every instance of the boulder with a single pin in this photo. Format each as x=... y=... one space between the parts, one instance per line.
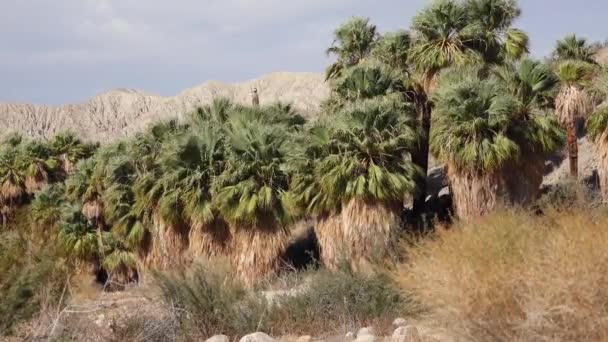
x=406 y=334
x=365 y=331
x=218 y=338
x=257 y=337
x=399 y=322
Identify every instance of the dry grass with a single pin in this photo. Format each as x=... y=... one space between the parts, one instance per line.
x=511 y=276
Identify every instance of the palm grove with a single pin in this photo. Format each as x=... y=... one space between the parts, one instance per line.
x=232 y=180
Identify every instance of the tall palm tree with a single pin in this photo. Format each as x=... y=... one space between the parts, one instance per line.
x=191 y=164
x=575 y=68
x=532 y=86
x=451 y=33
x=482 y=130
x=358 y=185
x=353 y=41
x=249 y=194
x=574 y=48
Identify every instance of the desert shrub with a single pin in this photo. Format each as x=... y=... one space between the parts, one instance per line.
x=207 y=302
x=140 y=328
x=569 y=195
x=512 y=276
x=336 y=302
x=29 y=281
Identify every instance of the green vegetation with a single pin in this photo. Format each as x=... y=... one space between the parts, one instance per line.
x=232 y=181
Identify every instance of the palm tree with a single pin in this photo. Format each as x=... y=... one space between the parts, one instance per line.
x=574 y=48
x=119 y=261
x=78 y=239
x=69 y=149
x=532 y=86
x=191 y=164
x=39 y=164
x=353 y=41
x=575 y=68
x=357 y=187
x=217 y=111
x=450 y=33
x=393 y=49
x=46 y=209
x=598 y=131
x=154 y=224
x=12 y=181
x=482 y=130
x=249 y=194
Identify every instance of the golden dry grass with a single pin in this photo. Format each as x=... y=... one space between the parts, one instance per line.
x=510 y=276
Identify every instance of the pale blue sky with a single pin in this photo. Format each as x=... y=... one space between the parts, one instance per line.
x=64 y=51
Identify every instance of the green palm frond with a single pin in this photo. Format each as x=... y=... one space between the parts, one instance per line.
x=598 y=123
x=363 y=153
x=470 y=122
x=368 y=80
x=353 y=42
x=574 y=48
x=393 y=49
x=77 y=237
x=47 y=206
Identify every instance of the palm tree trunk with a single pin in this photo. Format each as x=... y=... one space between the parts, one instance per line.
x=169 y=244
x=421 y=158
x=258 y=250
x=603 y=166
x=572 y=150
x=523 y=179
x=474 y=193
x=370 y=231
x=330 y=236
x=209 y=239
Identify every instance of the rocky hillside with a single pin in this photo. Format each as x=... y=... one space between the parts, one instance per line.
x=122 y=112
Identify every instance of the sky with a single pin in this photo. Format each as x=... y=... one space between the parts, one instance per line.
x=65 y=51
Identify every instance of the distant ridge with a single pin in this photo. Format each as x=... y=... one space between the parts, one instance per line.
x=122 y=112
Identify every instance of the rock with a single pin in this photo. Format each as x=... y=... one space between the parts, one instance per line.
x=257 y=337
x=366 y=338
x=218 y=338
x=406 y=334
x=400 y=322
x=365 y=331
x=304 y=339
